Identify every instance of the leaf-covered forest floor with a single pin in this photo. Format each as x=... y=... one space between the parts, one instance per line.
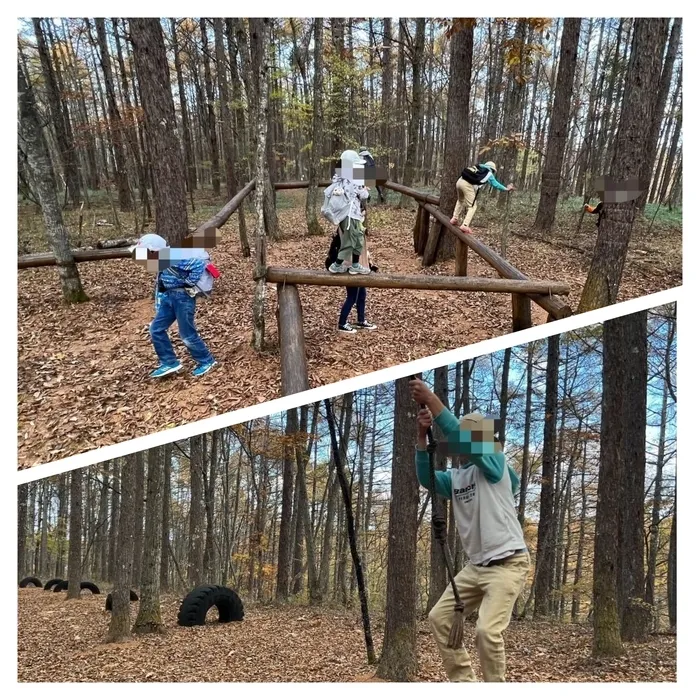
x=63 y=641
x=83 y=371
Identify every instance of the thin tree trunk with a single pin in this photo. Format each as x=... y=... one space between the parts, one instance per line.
x=75 y=543
x=149 y=617
x=120 y=622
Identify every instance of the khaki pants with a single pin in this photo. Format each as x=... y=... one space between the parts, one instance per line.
x=352 y=238
x=466 y=203
x=492 y=590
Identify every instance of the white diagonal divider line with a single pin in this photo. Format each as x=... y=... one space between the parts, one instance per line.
x=345 y=386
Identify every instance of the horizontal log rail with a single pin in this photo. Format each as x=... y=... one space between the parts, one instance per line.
x=555 y=307
x=79 y=255
x=283 y=275
x=416 y=194
x=94 y=254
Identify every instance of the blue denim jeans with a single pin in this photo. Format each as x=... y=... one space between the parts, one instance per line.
x=356 y=296
x=177 y=305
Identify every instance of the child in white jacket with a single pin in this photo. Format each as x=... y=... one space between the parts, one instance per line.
x=342 y=207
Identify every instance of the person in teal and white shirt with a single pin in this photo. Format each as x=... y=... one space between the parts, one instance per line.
x=471 y=181
x=482 y=493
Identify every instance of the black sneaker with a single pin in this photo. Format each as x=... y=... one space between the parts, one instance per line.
x=347 y=328
x=365 y=326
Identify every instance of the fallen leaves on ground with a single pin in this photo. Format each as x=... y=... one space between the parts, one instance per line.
x=63 y=641
x=83 y=371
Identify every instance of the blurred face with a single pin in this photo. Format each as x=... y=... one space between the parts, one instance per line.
x=472 y=438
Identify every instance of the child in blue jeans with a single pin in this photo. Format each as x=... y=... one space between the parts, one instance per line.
x=176 y=293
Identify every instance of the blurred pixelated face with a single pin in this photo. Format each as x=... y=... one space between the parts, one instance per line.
x=151 y=260
x=207 y=239
x=474 y=437
x=614 y=192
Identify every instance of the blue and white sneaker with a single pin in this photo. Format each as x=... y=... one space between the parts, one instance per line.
x=335 y=268
x=165 y=370
x=203 y=368
x=357 y=269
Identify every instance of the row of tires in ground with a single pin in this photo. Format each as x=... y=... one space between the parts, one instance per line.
x=193 y=609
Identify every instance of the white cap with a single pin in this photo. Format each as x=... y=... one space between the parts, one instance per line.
x=150 y=241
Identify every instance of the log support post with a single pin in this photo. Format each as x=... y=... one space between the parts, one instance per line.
x=417 y=230
x=290 y=324
x=522 y=316
x=461 y=258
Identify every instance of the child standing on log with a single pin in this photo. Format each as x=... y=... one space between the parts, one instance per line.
x=470 y=182
x=355 y=296
x=342 y=207
x=481 y=491
x=179 y=273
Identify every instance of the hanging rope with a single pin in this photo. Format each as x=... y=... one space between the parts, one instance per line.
x=440 y=534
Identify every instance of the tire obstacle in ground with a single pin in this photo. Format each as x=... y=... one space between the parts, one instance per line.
x=33 y=580
x=133 y=597
x=51 y=583
x=84 y=586
x=196 y=604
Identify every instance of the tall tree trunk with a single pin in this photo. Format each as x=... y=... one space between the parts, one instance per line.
x=149 y=618
x=630 y=350
x=438 y=574
x=409 y=176
x=59 y=117
x=167 y=164
x=165 y=524
x=312 y=225
x=116 y=124
x=195 y=564
x=650 y=585
x=398 y=660
x=658 y=111
x=184 y=113
x=558 y=127
x=225 y=108
x=261 y=230
x=525 y=469
x=138 y=517
x=285 y=539
x=44 y=187
x=211 y=115
x=615 y=231
x=671 y=575
x=120 y=622
x=75 y=543
x=22 y=529
x=114 y=521
x=546 y=529
x=441 y=245
x=239 y=141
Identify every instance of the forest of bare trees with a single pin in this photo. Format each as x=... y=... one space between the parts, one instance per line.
x=259 y=506
x=384 y=83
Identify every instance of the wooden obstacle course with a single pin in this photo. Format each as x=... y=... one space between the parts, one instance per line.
x=294 y=373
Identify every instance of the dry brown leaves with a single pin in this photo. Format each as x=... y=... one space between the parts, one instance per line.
x=83 y=371
x=63 y=641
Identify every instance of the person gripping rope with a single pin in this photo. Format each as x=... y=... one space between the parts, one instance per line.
x=472 y=179
x=481 y=491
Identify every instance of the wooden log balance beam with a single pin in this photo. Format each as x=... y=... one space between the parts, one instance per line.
x=291 y=276
x=94 y=254
x=556 y=308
